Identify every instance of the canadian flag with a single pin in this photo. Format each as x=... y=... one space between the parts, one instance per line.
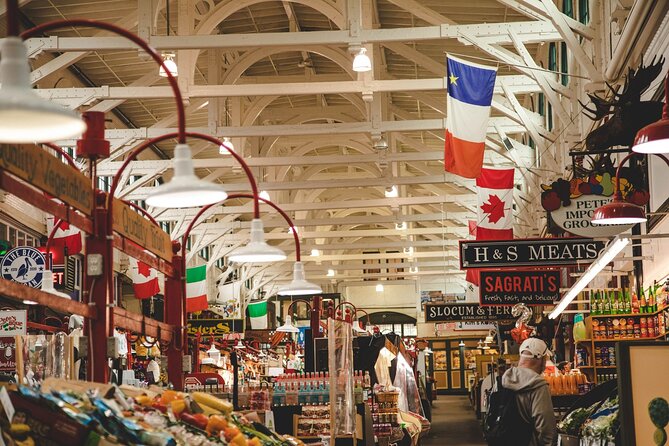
x=144 y=279
x=494 y=213
x=67 y=237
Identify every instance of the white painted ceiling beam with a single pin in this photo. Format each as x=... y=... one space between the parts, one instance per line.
x=440 y=231
x=518 y=83
x=528 y=31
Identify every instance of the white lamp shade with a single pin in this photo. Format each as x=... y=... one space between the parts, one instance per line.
x=226 y=143
x=240 y=345
x=47 y=285
x=379 y=287
x=264 y=195
x=185 y=189
x=257 y=250
x=299 y=286
x=361 y=62
x=288 y=327
x=24 y=116
x=168 y=60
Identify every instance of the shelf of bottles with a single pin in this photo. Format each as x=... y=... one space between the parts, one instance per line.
x=619 y=315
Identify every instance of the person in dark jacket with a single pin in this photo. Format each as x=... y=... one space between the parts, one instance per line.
x=534 y=398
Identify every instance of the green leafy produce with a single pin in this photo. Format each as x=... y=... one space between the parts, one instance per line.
x=658 y=409
x=571 y=424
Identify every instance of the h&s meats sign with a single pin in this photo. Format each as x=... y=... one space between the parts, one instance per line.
x=536 y=287
x=466 y=312
x=528 y=252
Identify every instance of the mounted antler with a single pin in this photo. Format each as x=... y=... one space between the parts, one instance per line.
x=628 y=113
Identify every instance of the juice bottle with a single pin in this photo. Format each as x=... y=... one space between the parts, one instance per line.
x=635 y=303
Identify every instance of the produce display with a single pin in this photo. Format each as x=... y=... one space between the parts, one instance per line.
x=598 y=423
x=67 y=417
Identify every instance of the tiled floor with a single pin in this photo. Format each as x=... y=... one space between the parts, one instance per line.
x=454 y=423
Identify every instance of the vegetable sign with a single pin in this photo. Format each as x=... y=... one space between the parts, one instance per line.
x=572 y=203
x=540 y=287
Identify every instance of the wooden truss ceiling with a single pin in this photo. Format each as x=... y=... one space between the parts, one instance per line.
x=276 y=77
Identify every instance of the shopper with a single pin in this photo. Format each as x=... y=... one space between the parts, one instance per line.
x=533 y=397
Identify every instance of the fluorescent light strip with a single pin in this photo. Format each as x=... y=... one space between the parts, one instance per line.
x=609 y=253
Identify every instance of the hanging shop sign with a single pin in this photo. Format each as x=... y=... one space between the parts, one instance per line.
x=572 y=203
x=13 y=323
x=467 y=312
x=7 y=354
x=23 y=264
x=474 y=326
x=541 y=287
x=134 y=226
x=528 y=252
x=214 y=327
x=49 y=174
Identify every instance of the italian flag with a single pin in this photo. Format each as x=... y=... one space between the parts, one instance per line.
x=258 y=315
x=196 y=289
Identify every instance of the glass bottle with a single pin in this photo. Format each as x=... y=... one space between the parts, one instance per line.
x=615 y=304
x=606 y=308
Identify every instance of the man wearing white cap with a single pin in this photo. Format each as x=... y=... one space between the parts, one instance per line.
x=532 y=393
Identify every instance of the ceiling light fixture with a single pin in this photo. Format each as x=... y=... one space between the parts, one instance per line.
x=185 y=189
x=331 y=273
x=226 y=147
x=315 y=253
x=361 y=62
x=257 y=250
x=264 y=195
x=170 y=64
x=379 y=288
x=605 y=257
x=401 y=226
x=240 y=345
x=462 y=343
x=392 y=192
x=288 y=326
x=24 y=116
x=299 y=285
x=619 y=211
x=654 y=138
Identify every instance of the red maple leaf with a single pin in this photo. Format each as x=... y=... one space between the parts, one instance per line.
x=143 y=269
x=494 y=208
x=64 y=226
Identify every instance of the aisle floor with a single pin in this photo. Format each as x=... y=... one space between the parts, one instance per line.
x=454 y=423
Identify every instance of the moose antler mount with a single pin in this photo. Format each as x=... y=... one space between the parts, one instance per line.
x=626 y=112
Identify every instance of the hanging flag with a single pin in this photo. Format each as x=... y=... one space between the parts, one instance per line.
x=144 y=279
x=495 y=204
x=196 y=289
x=258 y=315
x=470 y=90
x=67 y=238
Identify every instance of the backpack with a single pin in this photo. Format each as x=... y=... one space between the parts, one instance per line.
x=503 y=425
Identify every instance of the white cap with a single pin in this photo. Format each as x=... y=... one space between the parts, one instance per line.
x=534 y=348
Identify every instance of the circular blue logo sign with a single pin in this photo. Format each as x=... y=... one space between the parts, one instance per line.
x=24 y=265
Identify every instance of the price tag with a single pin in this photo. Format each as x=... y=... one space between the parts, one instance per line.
x=7 y=403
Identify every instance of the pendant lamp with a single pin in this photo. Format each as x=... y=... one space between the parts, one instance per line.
x=168 y=61
x=361 y=62
x=288 y=326
x=654 y=138
x=299 y=286
x=185 y=189
x=24 y=116
x=257 y=250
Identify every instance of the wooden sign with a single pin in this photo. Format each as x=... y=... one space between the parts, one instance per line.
x=49 y=174
x=467 y=312
x=528 y=252
x=540 y=287
x=134 y=226
x=214 y=327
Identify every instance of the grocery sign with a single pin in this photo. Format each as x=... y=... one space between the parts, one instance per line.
x=467 y=312
x=13 y=323
x=214 y=327
x=540 y=287
x=528 y=252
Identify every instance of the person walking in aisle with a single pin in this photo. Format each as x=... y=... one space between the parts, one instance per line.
x=532 y=393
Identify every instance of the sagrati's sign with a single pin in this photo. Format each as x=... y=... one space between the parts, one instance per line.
x=537 y=287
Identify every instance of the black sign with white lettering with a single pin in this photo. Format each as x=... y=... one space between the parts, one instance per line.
x=467 y=312
x=540 y=287
x=528 y=252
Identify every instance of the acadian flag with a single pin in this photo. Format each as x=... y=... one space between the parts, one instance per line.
x=258 y=314
x=196 y=289
x=470 y=90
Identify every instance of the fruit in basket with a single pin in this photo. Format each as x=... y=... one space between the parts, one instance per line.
x=255 y=441
x=178 y=406
x=216 y=424
x=144 y=400
x=230 y=432
x=238 y=440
